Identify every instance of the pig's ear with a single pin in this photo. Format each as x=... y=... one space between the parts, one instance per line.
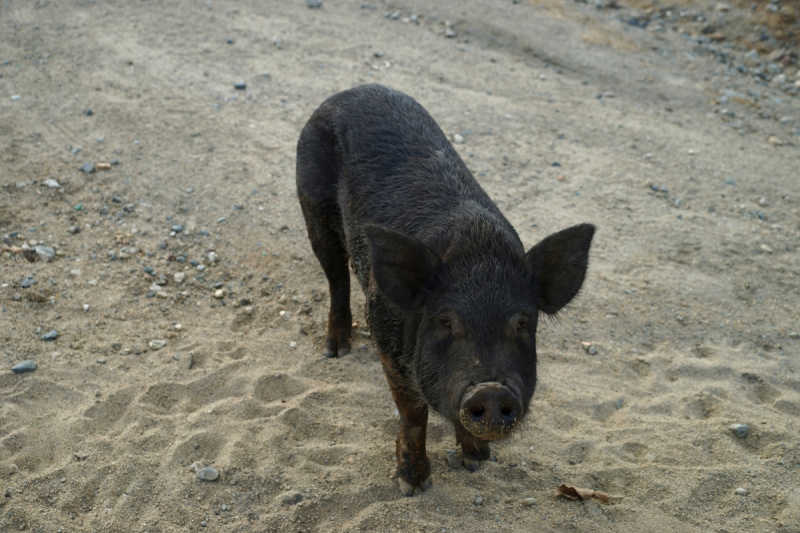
x=402 y=265
x=559 y=264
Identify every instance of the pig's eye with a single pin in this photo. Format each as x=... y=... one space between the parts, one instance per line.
x=521 y=324
x=445 y=323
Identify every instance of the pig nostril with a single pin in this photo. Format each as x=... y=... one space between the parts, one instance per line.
x=477 y=412
x=506 y=411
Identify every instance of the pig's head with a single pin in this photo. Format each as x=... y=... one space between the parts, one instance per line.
x=473 y=312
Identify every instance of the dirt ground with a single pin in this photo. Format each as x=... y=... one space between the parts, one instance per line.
x=677 y=144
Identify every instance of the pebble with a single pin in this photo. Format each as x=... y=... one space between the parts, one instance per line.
x=53 y=184
x=314 y=4
x=50 y=335
x=794 y=335
x=157 y=344
x=201 y=267
x=103 y=166
x=27 y=281
x=478 y=500
x=529 y=501
x=179 y=277
x=219 y=293
x=87 y=168
x=774 y=140
x=453 y=459
x=207 y=473
x=177 y=228
x=89 y=112
x=240 y=86
x=741 y=492
x=458 y=138
x=740 y=430
x=45 y=252
x=75 y=272
x=101 y=361
x=74 y=229
x=25 y=366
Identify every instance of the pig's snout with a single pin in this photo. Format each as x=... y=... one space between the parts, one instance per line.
x=490 y=411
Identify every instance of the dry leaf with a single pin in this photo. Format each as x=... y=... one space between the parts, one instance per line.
x=573 y=493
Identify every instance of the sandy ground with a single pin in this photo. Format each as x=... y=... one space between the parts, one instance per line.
x=568 y=113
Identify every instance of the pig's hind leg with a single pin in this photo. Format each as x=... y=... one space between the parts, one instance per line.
x=317 y=175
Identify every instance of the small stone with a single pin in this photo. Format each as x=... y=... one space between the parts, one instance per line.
x=592 y=350
x=314 y=4
x=103 y=166
x=478 y=500
x=219 y=294
x=81 y=456
x=87 y=168
x=619 y=403
x=292 y=344
x=46 y=253
x=50 y=335
x=177 y=228
x=458 y=139
x=794 y=335
x=157 y=344
x=774 y=140
x=223 y=507
x=51 y=183
x=453 y=460
x=204 y=523
x=740 y=430
x=741 y=492
x=101 y=361
x=25 y=366
x=766 y=248
x=529 y=502
x=207 y=473
x=89 y=112
x=200 y=268
x=240 y=86
x=179 y=277
x=74 y=273
x=35 y=296
x=27 y=281
x=763 y=202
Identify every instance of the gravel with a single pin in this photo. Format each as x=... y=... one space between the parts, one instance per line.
x=207 y=473
x=87 y=168
x=25 y=366
x=50 y=335
x=27 y=281
x=740 y=430
x=157 y=344
x=46 y=253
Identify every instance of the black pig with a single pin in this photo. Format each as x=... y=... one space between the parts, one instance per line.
x=453 y=299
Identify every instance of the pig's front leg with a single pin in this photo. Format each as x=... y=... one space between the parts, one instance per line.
x=473 y=450
x=413 y=465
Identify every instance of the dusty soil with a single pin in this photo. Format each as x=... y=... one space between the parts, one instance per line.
x=568 y=113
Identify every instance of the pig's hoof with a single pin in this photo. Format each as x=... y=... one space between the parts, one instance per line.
x=406 y=488
x=472 y=464
x=334 y=349
x=425 y=485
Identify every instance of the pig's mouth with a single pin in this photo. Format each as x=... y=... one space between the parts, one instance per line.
x=490 y=410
